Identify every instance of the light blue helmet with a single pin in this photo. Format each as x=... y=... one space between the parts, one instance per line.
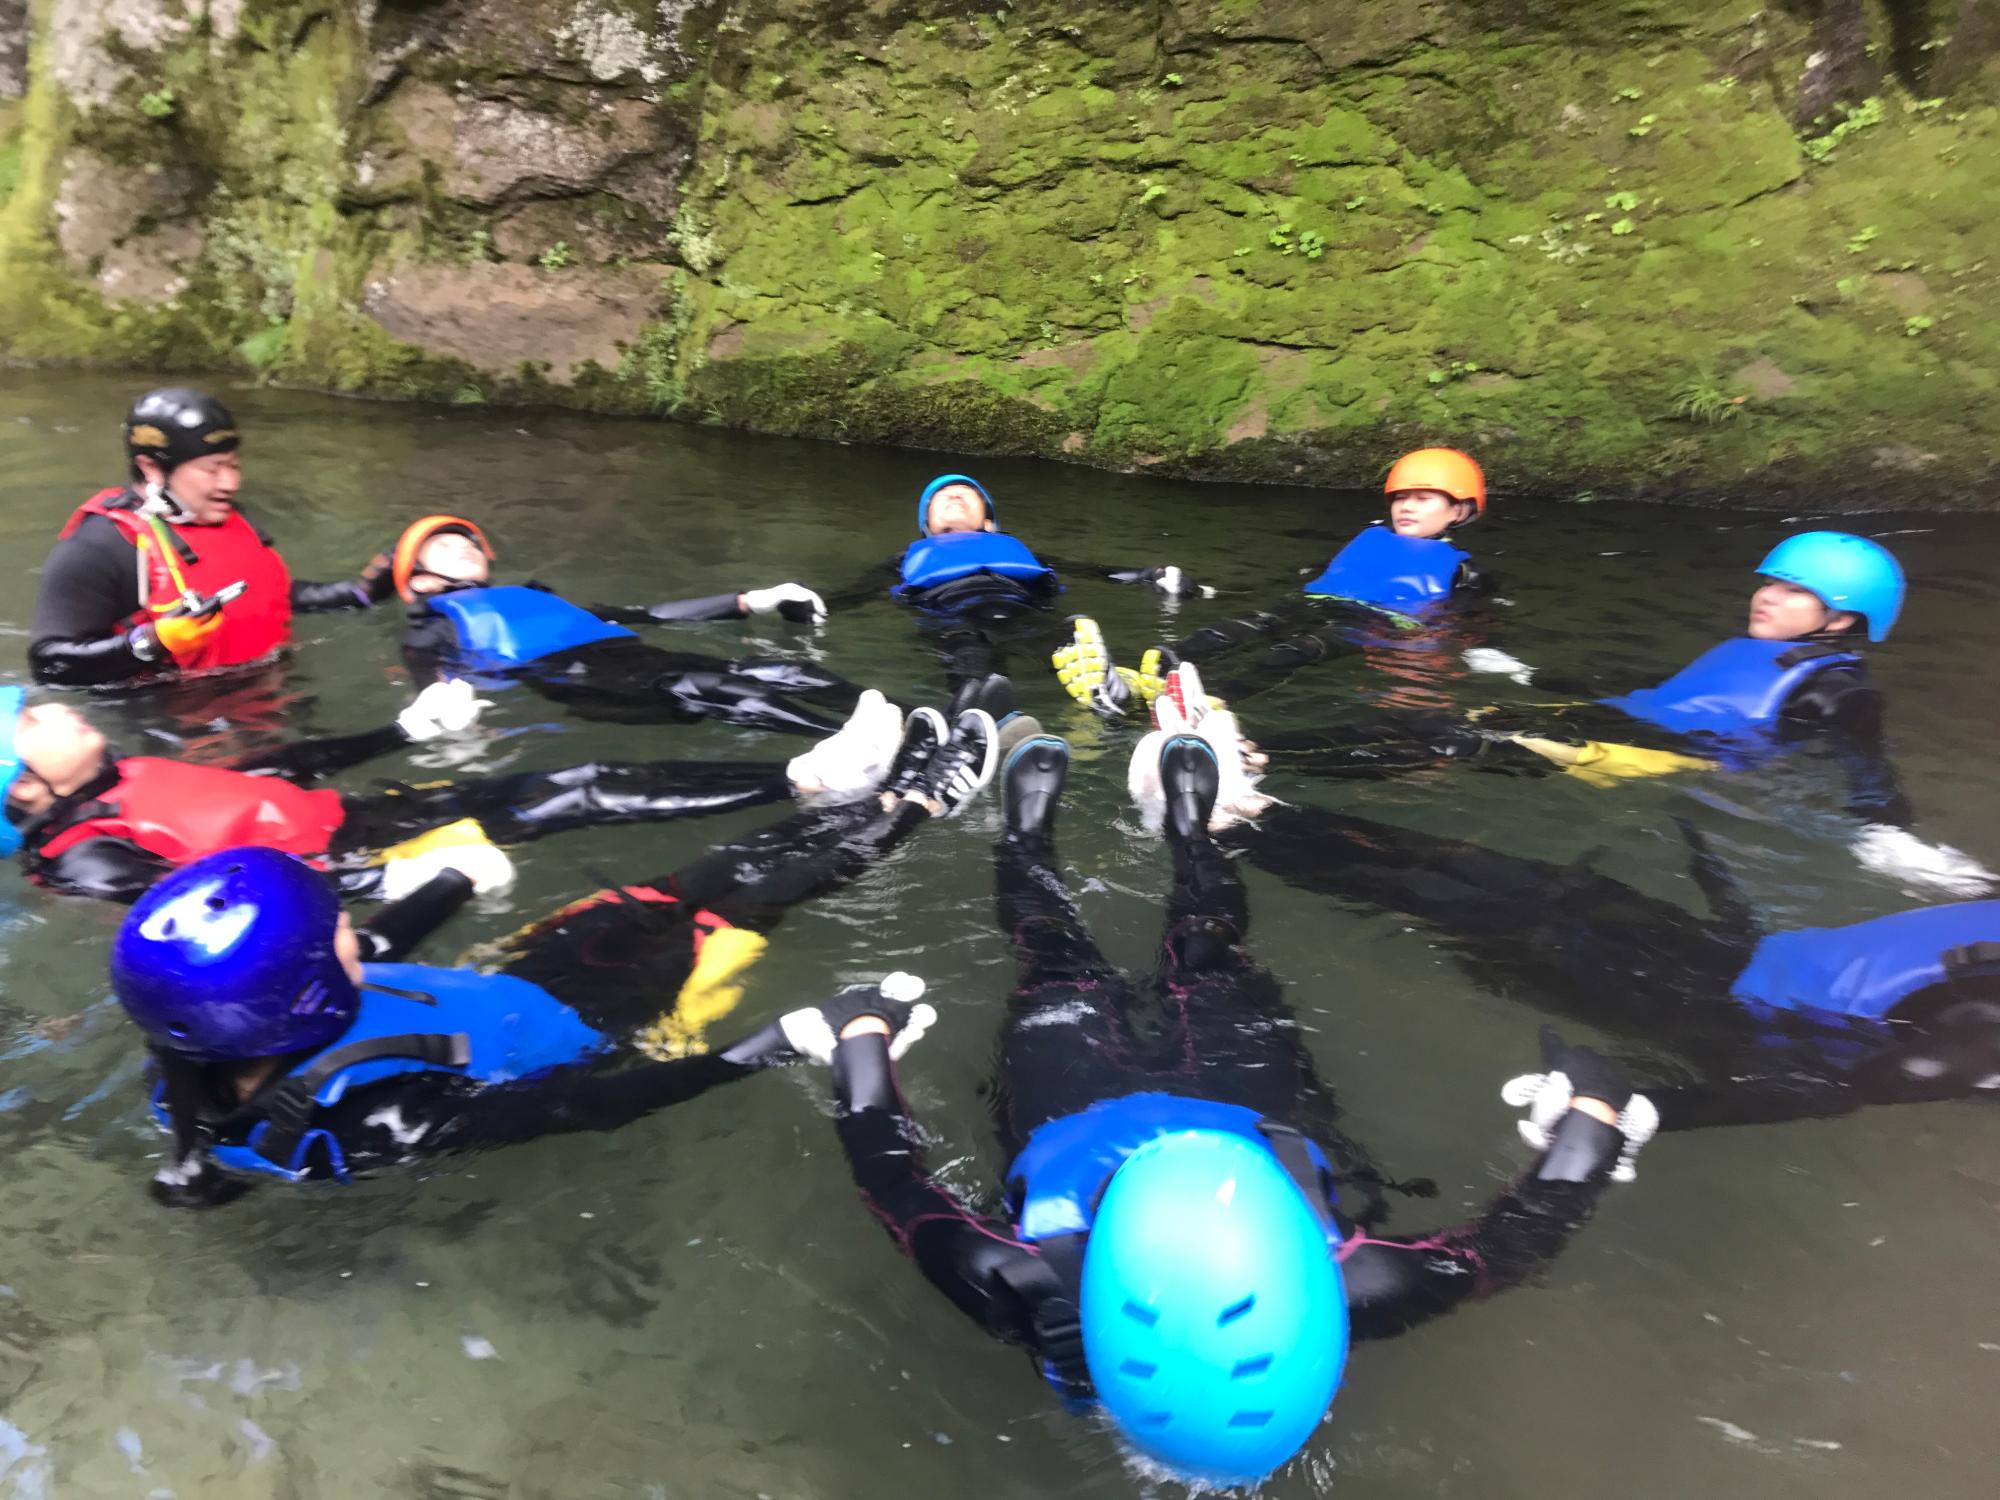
x=1846 y=571
x=931 y=489
x=1214 y=1315
x=11 y=699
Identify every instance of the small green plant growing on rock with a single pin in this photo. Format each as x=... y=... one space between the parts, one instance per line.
x=159 y=104
x=1861 y=239
x=1312 y=244
x=1458 y=369
x=1152 y=190
x=1280 y=237
x=1706 y=405
x=1914 y=327
x=1645 y=125
x=1626 y=95
x=1623 y=227
x=556 y=256
x=1858 y=118
x=1172 y=80
x=1624 y=203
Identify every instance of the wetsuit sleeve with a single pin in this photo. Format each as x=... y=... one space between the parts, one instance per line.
x=437 y=1112
x=710 y=607
x=428 y=643
x=1946 y=1044
x=959 y=1252
x=1397 y=1282
x=319 y=598
x=303 y=760
x=393 y=931
x=90 y=584
x=107 y=868
x=1841 y=705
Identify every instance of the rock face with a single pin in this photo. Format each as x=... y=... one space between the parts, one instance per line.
x=1637 y=247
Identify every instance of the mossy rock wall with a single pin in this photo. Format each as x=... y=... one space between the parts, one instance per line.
x=1666 y=248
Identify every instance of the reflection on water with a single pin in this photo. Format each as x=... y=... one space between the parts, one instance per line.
x=698 y=1306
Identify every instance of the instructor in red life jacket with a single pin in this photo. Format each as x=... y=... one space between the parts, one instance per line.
x=167 y=574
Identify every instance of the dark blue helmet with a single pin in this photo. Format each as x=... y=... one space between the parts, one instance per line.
x=924 y=500
x=1214 y=1314
x=233 y=957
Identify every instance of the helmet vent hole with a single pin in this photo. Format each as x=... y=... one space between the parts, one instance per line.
x=1235 y=1310
x=1245 y=1368
x=1138 y=1369
x=1141 y=1315
x=1251 y=1419
x=216 y=903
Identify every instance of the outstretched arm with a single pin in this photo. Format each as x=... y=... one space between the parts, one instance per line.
x=440 y=709
x=1396 y=1282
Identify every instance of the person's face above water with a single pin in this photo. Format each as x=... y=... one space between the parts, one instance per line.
x=205 y=487
x=1425 y=513
x=447 y=558
x=60 y=750
x=957 y=507
x=1785 y=612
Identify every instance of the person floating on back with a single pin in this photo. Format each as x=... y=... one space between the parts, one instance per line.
x=1397 y=570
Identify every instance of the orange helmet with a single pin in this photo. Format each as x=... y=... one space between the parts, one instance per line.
x=403 y=565
x=1440 y=469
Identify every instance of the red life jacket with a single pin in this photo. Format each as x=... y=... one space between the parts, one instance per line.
x=205 y=559
x=182 y=812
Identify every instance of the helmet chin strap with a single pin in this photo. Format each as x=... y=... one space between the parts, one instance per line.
x=163 y=502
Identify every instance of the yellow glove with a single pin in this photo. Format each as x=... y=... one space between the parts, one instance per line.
x=1087 y=673
x=185 y=637
x=712 y=991
x=1603 y=764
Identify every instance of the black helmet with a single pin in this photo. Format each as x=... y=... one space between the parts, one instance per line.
x=175 y=424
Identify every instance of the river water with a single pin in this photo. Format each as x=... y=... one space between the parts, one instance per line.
x=699 y=1305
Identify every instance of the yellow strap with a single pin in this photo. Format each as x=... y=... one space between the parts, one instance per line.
x=464 y=833
x=1603 y=764
x=712 y=991
x=163 y=540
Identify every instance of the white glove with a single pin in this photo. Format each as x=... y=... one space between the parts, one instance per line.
x=815 y=1031
x=1902 y=856
x=443 y=708
x=485 y=865
x=1491 y=659
x=806 y=605
x=1547 y=1096
x=1170 y=580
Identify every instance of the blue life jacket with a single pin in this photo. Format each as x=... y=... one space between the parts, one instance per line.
x=510 y=626
x=1402 y=573
x=1864 y=970
x=932 y=560
x=1060 y=1174
x=1734 y=691
x=490 y=1028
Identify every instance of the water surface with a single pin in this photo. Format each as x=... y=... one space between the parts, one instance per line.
x=699 y=1306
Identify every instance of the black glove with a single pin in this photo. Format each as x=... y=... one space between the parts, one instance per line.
x=377 y=579
x=196 y=1182
x=1591 y=1074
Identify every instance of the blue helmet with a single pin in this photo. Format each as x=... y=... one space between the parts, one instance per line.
x=232 y=957
x=1846 y=571
x=11 y=699
x=931 y=489
x=1214 y=1316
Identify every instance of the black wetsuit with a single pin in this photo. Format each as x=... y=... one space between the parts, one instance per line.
x=1226 y=1035
x=1836 y=707
x=90 y=586
x=619 y=959
x=629 y=681
x=1585 y=945
x=511 y=808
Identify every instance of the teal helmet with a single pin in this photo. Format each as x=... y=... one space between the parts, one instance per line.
x=931 y=489
x=1214 y=1315
x=11 y=699
x=1847 y=572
